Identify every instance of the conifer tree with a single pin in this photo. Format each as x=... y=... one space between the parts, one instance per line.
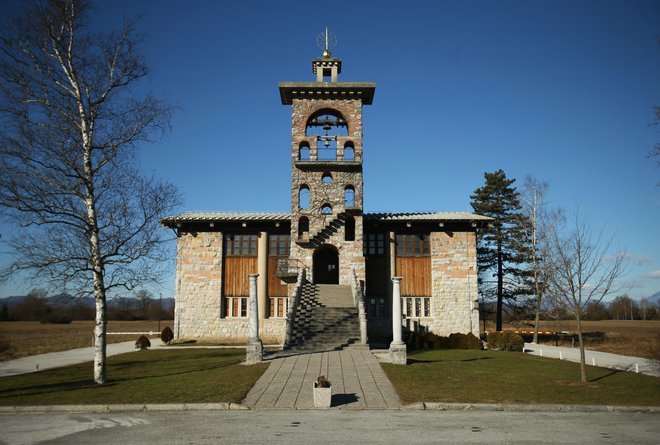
x=501 y=245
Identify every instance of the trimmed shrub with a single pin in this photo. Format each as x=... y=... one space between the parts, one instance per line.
x=506 y=341
x=166 y=336
x=142 y=342
x=454 y=341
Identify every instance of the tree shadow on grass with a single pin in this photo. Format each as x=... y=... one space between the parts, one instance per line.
x=87 y=383
x=412 y=361
x=604 y=376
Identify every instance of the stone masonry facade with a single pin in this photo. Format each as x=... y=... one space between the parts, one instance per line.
x=331 y=193
x=454 y=299
x=198 y=311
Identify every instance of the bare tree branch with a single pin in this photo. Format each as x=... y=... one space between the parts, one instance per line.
x=72 y=122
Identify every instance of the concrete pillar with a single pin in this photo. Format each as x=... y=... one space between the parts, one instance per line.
x=397 y=347
x=391 y=249
x=392 y=254
x=262 y=281
x=254 y=349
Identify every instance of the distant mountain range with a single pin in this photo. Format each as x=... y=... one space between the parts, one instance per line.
x=64 y=299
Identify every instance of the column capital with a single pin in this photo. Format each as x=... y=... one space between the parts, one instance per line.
x=253 y=275
x=397 y=279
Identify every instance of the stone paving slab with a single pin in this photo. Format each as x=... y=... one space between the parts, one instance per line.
x=358 y=382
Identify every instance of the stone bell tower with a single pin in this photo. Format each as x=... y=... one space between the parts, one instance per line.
x=326 y=170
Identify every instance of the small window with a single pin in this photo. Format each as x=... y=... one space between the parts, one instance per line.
x=278 y=245
x=326 y=209
x=412 y=245
x=349 y=152
x=303 y=197
x=303 y=226
x=240 y=245
x=349 y=196
x=327 y=177
x=374 y=244
x=349 y=229
x=303 y=152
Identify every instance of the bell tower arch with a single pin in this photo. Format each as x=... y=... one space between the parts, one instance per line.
x=326 y=159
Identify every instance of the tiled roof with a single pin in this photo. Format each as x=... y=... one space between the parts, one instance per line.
x=425 y=216
x=377 y=216
x=223 y=216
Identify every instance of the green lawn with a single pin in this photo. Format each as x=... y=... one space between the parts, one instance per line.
x=509 y=377
x=158 y=376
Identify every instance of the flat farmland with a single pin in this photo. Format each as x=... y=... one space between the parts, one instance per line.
x=23 y=338
x=639 y=338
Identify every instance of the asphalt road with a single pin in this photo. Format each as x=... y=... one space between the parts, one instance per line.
x=333 y=426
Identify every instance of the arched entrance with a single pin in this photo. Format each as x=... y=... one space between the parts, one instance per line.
x=326 y=265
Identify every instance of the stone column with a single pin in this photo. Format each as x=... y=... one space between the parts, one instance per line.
x=391 y=246
x=254 y=349
x=397 y=347
x=262 y=281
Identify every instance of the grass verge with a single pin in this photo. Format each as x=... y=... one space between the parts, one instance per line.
x=159 y=376
x=507 y=377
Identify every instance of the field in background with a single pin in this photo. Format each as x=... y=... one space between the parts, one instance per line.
x=639 y=338
x=23 y=338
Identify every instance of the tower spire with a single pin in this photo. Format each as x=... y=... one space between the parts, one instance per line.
x=326 y=66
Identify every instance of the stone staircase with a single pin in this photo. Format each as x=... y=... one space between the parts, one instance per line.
x=326 y=319
x=326 y=233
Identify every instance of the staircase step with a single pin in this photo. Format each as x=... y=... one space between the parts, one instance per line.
x=325 y=319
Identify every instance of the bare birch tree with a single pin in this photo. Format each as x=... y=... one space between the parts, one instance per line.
x=537 y=223
x=584 y=271
x=72 y=120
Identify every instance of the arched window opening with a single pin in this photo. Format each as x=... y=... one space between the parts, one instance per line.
x=303 y=197
x=349 y=152
x=326 y=122
x=327 y=177
x=349 y=234
x=349 y=197
x=303 y=152
x=303 y=226
x=326 y=209
x=326 y=125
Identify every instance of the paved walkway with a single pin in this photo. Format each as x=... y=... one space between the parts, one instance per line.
x=602 y=359
x=41 y=362
x=358 y=382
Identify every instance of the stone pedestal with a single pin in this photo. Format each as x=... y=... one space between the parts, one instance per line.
x=398 y=354
x=254 y=352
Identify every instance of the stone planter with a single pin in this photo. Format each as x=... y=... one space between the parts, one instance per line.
x=322 y=396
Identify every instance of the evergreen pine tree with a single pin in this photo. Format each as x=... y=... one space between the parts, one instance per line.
x=501 y=245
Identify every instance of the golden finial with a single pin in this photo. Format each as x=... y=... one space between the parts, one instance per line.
x=325 y=41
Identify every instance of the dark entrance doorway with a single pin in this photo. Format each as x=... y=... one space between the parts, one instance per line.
x=326 y=265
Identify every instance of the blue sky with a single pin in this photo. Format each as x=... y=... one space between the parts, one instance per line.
x=562 y=90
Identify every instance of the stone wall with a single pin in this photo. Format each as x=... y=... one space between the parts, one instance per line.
x=454 y=302
x=197 y=313
x=198 y=284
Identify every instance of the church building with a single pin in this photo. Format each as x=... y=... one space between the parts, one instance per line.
x=325 y=268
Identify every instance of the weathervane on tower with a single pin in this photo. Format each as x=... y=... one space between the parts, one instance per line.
x=325 y=41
